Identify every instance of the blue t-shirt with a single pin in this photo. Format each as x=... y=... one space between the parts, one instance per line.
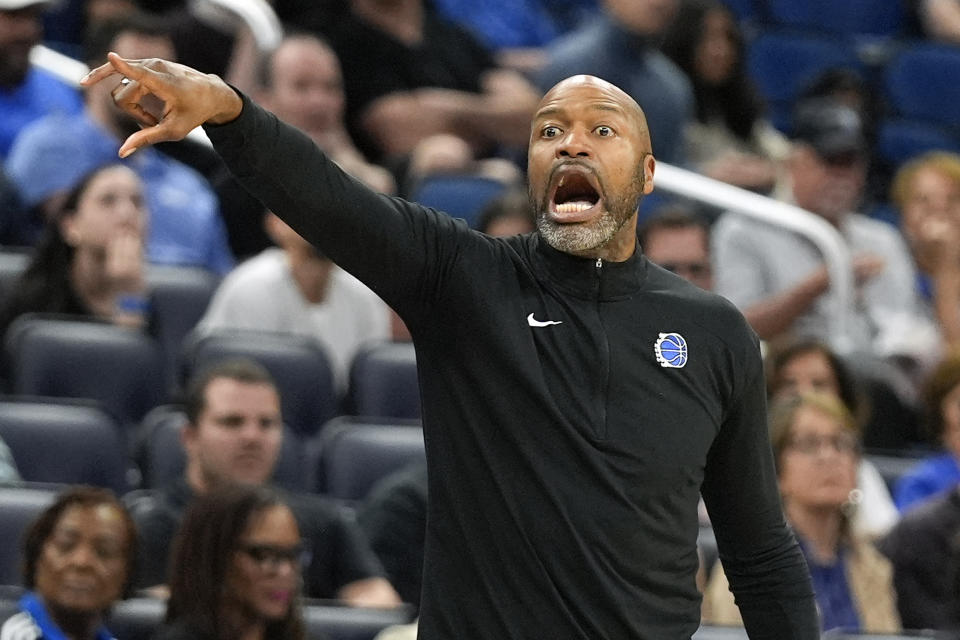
x=834 y=600
x=40 y=94
x=928 y=478
x=34 y=623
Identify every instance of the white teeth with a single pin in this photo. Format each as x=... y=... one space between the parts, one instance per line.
x=573 y=207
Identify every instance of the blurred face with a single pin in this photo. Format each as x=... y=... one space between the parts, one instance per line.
x=950 y=410
x=829 y=188
x=806 y=372
x=263 y=578
x=112 y=205
x=509 y=226
x=589 y=163
x=83 y=565
x=683 y=251
x=818 y=467
x=307 y=88
x=20 y=30
x=716 y=54
x=237 y=436
x=932 y=204
x=643 y=17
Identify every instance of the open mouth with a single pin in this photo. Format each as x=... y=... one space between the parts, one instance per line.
x=574 y=195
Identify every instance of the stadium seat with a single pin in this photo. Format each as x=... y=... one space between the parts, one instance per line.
x=66 y=443
x=852 y=17
x=12 y=265
x=163 y=460
x=136 y=617
x=19 y=507
x=921 y=83
x=178 y=299
x=349 y=623
x=900 y=139
x=460 y=195
x=383 y=381
x=68 y=358
x=352 y=455
x=783 y=63
x=299 y=366
x=709 y=632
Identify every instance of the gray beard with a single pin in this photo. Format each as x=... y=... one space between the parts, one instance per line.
x=580 y=238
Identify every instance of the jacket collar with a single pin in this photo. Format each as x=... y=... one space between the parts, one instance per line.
x=588 y=278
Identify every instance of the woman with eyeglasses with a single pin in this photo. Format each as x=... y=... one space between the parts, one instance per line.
x=235 y=569
x=816 y=447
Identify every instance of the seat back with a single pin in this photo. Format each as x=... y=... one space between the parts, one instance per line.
x=783 y=63
x=12 y=265
x=163 y=459
x=710 y=632
x=349 y=623
x=460 y=195
x=67 y=358
x=900 y=139
x=383 y=381
x=64 y=442
x=299 y=366
x=136 y=618
x=851 y=17
x=352 y=455
x=178 y=299
x=19 y=507
x=921 y=83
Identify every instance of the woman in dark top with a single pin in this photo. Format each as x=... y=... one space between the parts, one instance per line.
x=235 y=569
x=78 y=560
x=89 y=261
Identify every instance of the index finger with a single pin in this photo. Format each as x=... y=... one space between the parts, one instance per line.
x=96 y=75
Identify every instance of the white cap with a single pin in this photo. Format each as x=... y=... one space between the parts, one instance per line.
x=14 y=5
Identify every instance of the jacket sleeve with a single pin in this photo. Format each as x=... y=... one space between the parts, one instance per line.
x=761 y=559
x=399 y=249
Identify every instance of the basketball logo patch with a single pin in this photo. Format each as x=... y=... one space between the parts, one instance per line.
x=671 y=350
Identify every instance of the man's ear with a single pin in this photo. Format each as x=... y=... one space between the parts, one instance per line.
x=649 y=166
x=188 y=437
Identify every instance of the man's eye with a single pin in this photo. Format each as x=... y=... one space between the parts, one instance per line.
x=550 y=132
x=604 y=131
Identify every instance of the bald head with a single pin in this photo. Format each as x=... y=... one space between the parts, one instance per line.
x=600 y=95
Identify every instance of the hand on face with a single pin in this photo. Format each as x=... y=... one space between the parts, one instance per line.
x=189 y=98
x=124 y=263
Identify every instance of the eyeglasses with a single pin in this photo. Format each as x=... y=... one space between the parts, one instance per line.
x=811 y=445
x=269 y=558
x=693 y=269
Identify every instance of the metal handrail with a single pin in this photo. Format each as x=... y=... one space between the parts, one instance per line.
x=822 y=234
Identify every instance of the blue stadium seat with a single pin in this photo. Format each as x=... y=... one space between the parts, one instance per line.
x=178 y=299
x=67 y=443
x=19 y=507
x=856 y=17
x=783 y=63
x=352 y=454
x=299 y=366
x=67 y=358
x=921 y=82
x=383 y=381
x=162 y=458
x=900 y=139
x=460 y=195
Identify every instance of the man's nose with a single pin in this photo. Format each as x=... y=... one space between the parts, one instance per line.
x=574 y=144
x=81 y=556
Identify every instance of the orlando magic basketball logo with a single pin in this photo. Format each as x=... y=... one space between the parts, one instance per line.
x=671 y=350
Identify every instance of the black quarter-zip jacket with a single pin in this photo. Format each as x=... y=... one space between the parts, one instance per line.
x=565 y=460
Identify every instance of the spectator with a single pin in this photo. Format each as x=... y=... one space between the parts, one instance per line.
x=410 y=76
x=49 y=157
x=508 y=214
x=816 y=447
x=292 y=288
x=939 y=19
x=940 y=472
x=778 y=278
x=927 y=192
x=730 y=139
x=923 y=550
x=26 y=93
x=809 y=366
x=78 y=561
x=235 y=569
x=302 y=84
x=233 y=436
x=621 y=47
x=678 y=241
x=90 y=259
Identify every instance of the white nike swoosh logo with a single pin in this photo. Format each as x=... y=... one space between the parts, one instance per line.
x=533 y=322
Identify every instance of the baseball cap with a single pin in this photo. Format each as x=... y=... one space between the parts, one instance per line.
x=832 y=128
x=14 y=5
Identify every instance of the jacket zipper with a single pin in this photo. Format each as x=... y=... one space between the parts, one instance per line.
x=605 y=359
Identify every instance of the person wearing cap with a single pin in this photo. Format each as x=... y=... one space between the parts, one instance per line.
x=26 y=93
x=778 y=277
